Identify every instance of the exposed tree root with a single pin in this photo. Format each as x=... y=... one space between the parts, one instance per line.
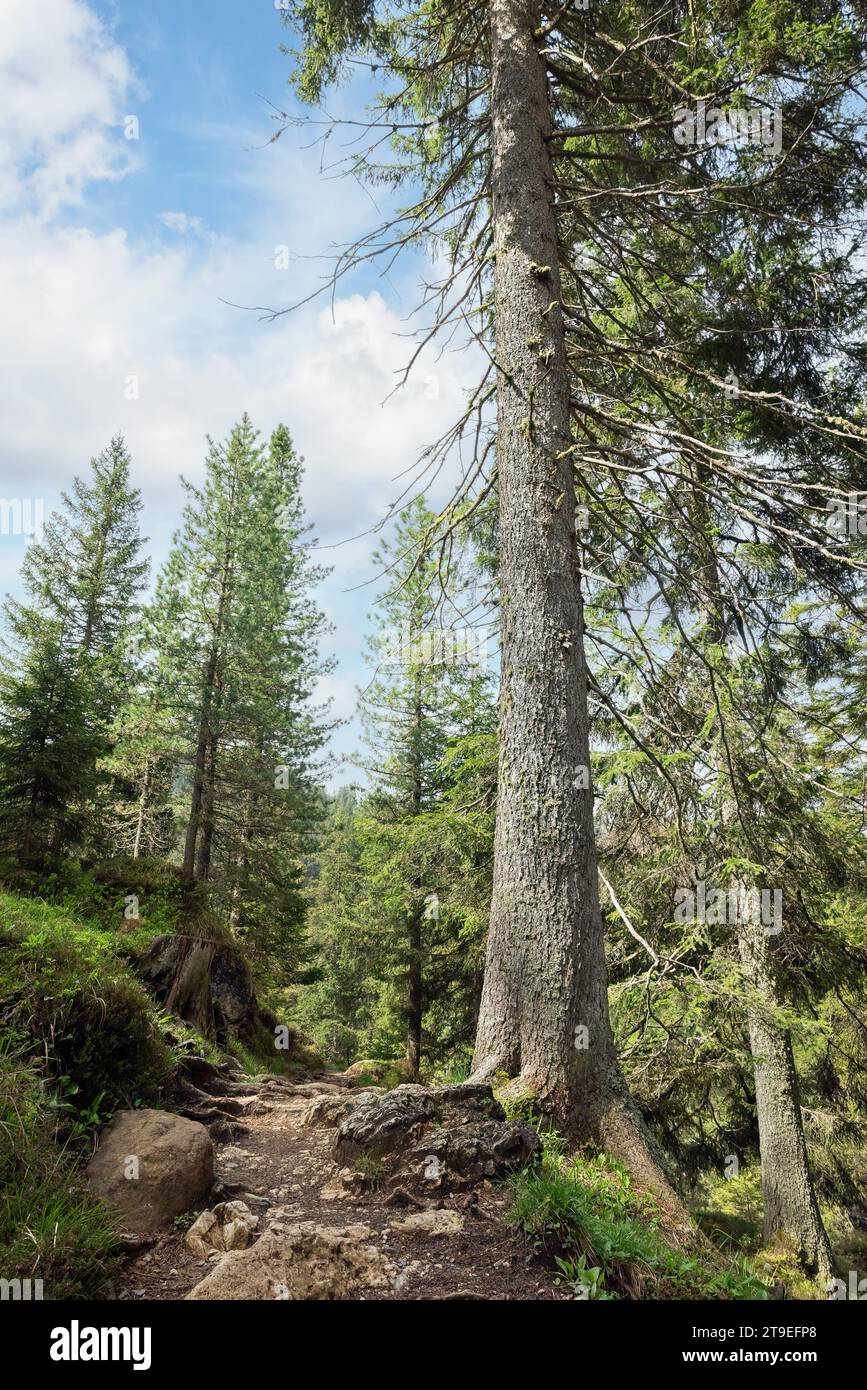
x=615 y=1127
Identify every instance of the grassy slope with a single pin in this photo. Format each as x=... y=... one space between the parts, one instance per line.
x=584 y=1216
x=79 y=1038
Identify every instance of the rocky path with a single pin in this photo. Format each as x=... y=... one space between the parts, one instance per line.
x=277 y=1157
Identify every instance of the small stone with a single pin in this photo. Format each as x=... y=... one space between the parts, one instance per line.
x=229 y=1226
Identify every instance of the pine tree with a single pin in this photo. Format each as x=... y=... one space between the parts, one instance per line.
x=471 y=104
x=235 y=634
x=271 y=803
x=426 y=657
x=141 y=767
x=67 y=662
x=48 y=747
x=340 y=1005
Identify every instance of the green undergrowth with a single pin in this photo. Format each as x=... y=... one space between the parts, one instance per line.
x=386 y=1075
x=296 y=1060
x=79 y=1038
x=51 y=1229
x=133 y=900
x=603 y=1239
x=69 y=1002
x=729 y=1210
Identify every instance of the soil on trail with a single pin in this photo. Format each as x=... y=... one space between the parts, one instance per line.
x=273 y=1157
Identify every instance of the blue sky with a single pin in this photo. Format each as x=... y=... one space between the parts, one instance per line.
x=116 y=255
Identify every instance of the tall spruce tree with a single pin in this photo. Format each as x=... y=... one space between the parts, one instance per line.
x=67 y=660
x=567 y=162
x=423 y=656
x=235 y=634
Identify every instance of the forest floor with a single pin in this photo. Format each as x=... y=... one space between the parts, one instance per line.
x=272 y=1156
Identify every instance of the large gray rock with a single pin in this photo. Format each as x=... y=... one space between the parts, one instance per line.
x=152 y=1166
x=454 y=1157
x=384 y=1124
x=329 y=1111
x=302 y=1261
x=436 y=1139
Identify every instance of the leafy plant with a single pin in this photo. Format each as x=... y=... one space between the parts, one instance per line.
x=584 y=1282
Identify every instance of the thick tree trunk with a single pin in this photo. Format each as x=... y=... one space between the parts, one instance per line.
x=790 y=1208
x=545 y=922
x=544 y=1012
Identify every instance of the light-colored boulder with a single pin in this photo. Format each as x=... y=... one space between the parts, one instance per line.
x=302 y=1261
x=346 y=1183
x=152 y=1166
x=329 y=1111
x=438 y=1221
x=228 y=1226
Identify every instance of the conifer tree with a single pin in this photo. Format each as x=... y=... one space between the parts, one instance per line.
x=427 y=685
x=67 y=659
x=235 y=634
x=534 y=133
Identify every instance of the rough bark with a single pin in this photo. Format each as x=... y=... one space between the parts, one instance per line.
x=190 y=995
x=791 y=1212
x=542 y=913
x=544 y=1011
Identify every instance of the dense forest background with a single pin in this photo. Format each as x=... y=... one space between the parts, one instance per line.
x=604 y=842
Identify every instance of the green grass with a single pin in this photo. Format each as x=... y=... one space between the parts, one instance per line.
x=50 y=1227
x=584 y=1219
x=79 y=1038
x=101 y=894
x=372 y=1169
x=259 y=1053
x=68 y=999
x=729 y=1210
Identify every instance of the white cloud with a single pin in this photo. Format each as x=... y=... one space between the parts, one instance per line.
x=182 y=223
x=87 y=310
x=85 y=313
x=66 y=87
